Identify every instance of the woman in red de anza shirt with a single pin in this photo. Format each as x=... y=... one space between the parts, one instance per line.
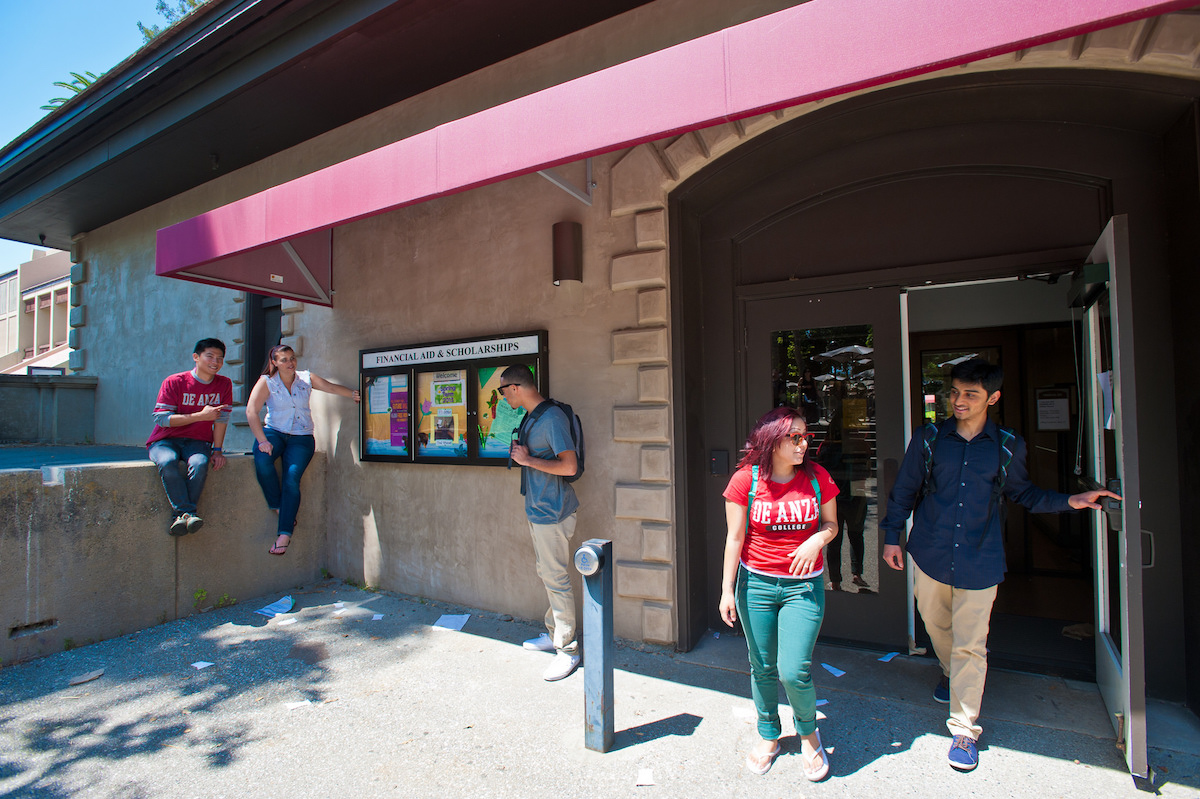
x=772 y=577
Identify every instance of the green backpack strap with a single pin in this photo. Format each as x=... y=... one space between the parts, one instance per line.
x=753 y=491
x=816 y=493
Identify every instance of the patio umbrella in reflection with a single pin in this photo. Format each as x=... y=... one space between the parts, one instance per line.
x=846 y=354
x=957 y=361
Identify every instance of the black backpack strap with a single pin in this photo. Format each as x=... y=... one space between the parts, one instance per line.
x=930 y=434
x=523 y=430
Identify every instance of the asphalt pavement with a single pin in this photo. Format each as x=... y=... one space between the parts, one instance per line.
x=359 y=693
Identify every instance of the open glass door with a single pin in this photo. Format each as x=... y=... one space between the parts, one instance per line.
x=837 y=358
x=1111 y=448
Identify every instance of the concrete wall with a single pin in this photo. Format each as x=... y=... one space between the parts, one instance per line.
x=47 y=410
x=88 y=557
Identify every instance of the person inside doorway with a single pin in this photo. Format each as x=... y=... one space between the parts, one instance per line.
x=781 y=511
x=546 y=453
x=190 y=416
x=954 y=481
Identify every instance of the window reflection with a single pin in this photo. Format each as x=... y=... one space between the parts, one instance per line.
x=828 y=374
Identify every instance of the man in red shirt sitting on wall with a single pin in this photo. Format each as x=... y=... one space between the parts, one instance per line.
x=189 y=429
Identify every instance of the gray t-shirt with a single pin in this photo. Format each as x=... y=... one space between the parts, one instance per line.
x=548 y=498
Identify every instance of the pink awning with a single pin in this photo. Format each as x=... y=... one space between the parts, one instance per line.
x=277 y=242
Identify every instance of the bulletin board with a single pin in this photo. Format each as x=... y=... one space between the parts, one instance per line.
x=439 y=402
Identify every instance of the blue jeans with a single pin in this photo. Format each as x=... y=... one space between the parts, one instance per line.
x=781 y=617
x=172 y=456
x=295 y=452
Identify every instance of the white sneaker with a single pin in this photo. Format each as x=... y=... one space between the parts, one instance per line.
x=540 y=644
x=561 y=666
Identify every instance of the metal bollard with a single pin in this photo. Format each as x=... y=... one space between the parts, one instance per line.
x=593 y=559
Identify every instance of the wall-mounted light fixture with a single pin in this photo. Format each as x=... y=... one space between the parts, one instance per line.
x=568 y=251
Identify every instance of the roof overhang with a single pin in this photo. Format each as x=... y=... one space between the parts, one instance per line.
x=812 y=51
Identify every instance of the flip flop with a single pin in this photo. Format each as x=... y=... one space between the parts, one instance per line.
x=282 y=550
x=820 y=772
x=758 y=767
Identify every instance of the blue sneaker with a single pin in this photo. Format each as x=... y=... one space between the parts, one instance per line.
x=963 y=755
x=941 y=692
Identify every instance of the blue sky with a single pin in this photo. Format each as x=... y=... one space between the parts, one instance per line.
x=43 y=41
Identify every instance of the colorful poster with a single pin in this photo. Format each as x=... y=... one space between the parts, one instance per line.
x=498 y=421
x=398 y=408
x=386 y=417
x=441 y=414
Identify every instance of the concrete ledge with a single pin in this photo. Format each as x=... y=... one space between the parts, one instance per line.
x=89 y=558
x=48 y=409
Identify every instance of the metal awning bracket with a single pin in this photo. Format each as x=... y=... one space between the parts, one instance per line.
x=583 y=195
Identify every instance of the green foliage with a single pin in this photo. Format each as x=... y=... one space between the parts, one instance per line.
x=226 y=601
x=199 y=598
x=68 y=644
x=325 y=575
x=75 y=86
x=172 y=13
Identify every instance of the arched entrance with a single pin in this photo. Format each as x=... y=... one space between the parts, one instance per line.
x=925 y=223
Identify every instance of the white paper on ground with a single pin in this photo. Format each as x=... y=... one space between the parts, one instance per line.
x=746 y=713
x=821 y=716
x=451 y=621
x=836 y=672
x=91 y=675
x=339 y=612
x=285 y=621
x=339 y=604
x=888 y=657
x=294 y=705
x=822 y=702
x=201 y=664
x=645 y=777
x=275 y=608
x=377 y=617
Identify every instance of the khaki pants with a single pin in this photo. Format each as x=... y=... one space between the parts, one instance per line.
x=552 y=548
x=957 y=621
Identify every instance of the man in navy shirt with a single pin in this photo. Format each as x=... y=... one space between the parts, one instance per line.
x=957 y=538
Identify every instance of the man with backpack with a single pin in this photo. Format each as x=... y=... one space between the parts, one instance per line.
x=547 y=455
x=957 y=476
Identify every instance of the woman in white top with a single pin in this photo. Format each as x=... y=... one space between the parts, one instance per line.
x=287 y=434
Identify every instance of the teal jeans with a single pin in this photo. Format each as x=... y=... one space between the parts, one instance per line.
x=781 y=617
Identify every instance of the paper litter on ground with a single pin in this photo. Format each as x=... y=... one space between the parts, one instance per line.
x=888 y=657
x=836 y=672
x=377 y=617
x=294 y=705
x=821 y=716
x=822 y=702
x=746 y=713
x=339 y=611
x=275 y=608
x=91 y=675
x=451 y=621
x=286 y=621
x=645 y=777
x=201 y=664
x=339 y=604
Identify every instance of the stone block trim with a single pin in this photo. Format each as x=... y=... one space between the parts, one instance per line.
x=687 y=152
x=648 y=345
x=642 y=424
x=655 y=581
x=77 y=316
x=654 y=384
x=637 y=181
x=657 y=542
x=651 y=229
x=79 y=273
x=658 y=623
x=639 y=270
x=656 y=464
x=650 y=503
x=652 y=307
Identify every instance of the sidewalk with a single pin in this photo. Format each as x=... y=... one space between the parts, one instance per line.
x=345 y=705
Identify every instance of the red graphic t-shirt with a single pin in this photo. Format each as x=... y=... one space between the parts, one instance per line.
x=182 y=393
x=784 y=516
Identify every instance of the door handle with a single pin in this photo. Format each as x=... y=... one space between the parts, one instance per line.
x=1112 y=507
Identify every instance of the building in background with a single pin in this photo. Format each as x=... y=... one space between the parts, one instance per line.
x=35 y=316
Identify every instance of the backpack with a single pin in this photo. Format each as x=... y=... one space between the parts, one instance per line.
x=929 y=444
x=576 y=431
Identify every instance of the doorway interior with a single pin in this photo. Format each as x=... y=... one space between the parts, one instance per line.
x=1043 y=617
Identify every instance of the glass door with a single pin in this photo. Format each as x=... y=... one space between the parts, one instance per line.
x=837 y=358
x=1111 y=445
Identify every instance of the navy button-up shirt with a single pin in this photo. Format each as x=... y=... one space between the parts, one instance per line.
x=953 y=539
